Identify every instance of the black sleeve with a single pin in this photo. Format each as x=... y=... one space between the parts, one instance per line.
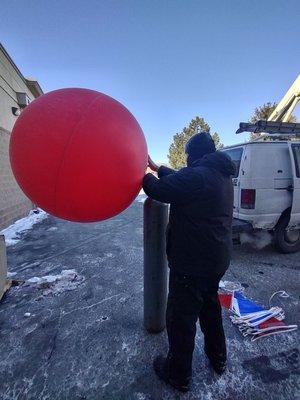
x=179 y=187
x=164 y=171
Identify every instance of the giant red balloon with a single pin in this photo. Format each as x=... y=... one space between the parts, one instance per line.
x=78 y=154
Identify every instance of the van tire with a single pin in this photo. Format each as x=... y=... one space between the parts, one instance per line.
x=282 y=242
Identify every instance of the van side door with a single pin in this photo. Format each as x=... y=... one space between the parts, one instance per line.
x=294 y=149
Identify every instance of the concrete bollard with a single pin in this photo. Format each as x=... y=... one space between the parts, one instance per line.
x=155 y=265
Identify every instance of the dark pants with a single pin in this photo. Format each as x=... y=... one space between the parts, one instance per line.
x=189 y=300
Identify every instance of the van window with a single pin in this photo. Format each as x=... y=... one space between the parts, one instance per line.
x=236 y=157
x=296 y=151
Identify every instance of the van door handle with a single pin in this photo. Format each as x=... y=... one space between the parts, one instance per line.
x=290 y=188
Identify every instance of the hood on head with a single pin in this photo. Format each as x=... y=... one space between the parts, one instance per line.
x=219 y=161
x=199 y=145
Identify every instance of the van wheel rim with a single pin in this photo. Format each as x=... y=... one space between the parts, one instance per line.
x=292 y=237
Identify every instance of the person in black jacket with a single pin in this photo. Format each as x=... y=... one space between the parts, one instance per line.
x=198 y=249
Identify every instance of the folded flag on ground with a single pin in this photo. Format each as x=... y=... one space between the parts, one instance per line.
x=252 y=319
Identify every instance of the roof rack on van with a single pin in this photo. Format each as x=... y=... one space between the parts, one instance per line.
x=271 y=127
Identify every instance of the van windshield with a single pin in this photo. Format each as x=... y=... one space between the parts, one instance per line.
x=236 y=157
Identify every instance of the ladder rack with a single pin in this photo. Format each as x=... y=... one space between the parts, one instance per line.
x=286 y=129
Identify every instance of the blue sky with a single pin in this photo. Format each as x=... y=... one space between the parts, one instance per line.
x=167 y=61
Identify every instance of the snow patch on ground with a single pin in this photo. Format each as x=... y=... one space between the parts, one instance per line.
x=141 y=198
x=53 y=228
x=55 y=284
x=141 y=396
x=13 y=232
x=231 y=286
x=233 y=381
x=125 y=346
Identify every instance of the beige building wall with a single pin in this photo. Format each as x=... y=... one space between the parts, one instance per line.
x=13 y=203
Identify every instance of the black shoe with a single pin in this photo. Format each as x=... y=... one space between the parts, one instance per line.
x=218 y=362
x=161 y=370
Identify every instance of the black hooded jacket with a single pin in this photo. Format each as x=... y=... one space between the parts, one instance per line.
x=199 y=231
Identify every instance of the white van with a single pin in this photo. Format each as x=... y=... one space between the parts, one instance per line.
x=267 y=190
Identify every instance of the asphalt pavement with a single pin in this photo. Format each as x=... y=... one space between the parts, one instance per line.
x=82 y=337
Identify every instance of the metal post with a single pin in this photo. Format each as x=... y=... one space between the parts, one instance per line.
x=155 y=265
x=3 y=266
